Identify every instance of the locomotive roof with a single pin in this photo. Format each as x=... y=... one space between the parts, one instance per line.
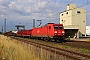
x=50 y=23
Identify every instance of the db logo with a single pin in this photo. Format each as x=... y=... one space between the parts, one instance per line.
x=38 y=31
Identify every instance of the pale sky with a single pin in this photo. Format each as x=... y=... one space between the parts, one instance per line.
x=22 y=12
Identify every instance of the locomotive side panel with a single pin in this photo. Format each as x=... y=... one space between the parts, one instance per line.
x=50 y=30
x=44 y=31
x=39 y=32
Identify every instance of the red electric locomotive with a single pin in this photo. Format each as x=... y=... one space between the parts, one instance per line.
x=49 y=31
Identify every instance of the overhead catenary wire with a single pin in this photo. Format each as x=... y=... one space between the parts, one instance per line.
x=60 y=8
x=35 y=5
x=76 y=14
x=86 y=3
x=45 y=5
x=41 y=7
x=72 y=15
x=68 y=16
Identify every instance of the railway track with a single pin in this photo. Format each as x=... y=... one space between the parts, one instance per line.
x=78 y=44
x=59 y=51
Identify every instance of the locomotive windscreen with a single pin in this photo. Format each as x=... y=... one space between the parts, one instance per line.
x=58 y=27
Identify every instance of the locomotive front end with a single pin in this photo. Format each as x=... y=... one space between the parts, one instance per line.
x=59 y=32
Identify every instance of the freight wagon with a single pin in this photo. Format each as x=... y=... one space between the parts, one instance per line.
x=19 y=33
x=26 y=33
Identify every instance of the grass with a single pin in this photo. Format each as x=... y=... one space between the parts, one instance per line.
x=84 y=50
x=67 y=39
x=14 y=50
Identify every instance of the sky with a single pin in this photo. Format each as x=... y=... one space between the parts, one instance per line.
x=22 y=12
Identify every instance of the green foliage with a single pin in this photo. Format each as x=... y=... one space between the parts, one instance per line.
x=84 y=50
x=67 y=38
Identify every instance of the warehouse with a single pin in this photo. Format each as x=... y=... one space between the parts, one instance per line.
x=74 y=21
x=88 y=30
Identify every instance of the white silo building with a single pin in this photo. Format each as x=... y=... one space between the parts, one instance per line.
x=74 y=21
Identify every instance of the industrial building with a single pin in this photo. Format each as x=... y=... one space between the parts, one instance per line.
x=88 y=30
x=74 y=21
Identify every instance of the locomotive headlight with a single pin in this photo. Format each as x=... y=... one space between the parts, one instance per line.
x=55 y=32
x=62 y=31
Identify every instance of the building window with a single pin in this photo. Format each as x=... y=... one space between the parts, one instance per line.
x=62 y=14
x=83 y=34
x=78 y=12
x=67 y=13
x=83 y=21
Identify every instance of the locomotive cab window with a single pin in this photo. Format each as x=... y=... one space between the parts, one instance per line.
x=60 y=27
x=56 y=27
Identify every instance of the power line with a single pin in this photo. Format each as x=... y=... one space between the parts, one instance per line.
x=59 y=7
x=72 y=0
x=74 y=15
x=54 y=17
x=62 y=6
x=35 y=5
x=80 y=13
x=86 y=3
x=41 y=7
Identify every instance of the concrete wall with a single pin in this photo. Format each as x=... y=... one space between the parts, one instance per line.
x=71 y=6
x=65 y=18
x=79 y=19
